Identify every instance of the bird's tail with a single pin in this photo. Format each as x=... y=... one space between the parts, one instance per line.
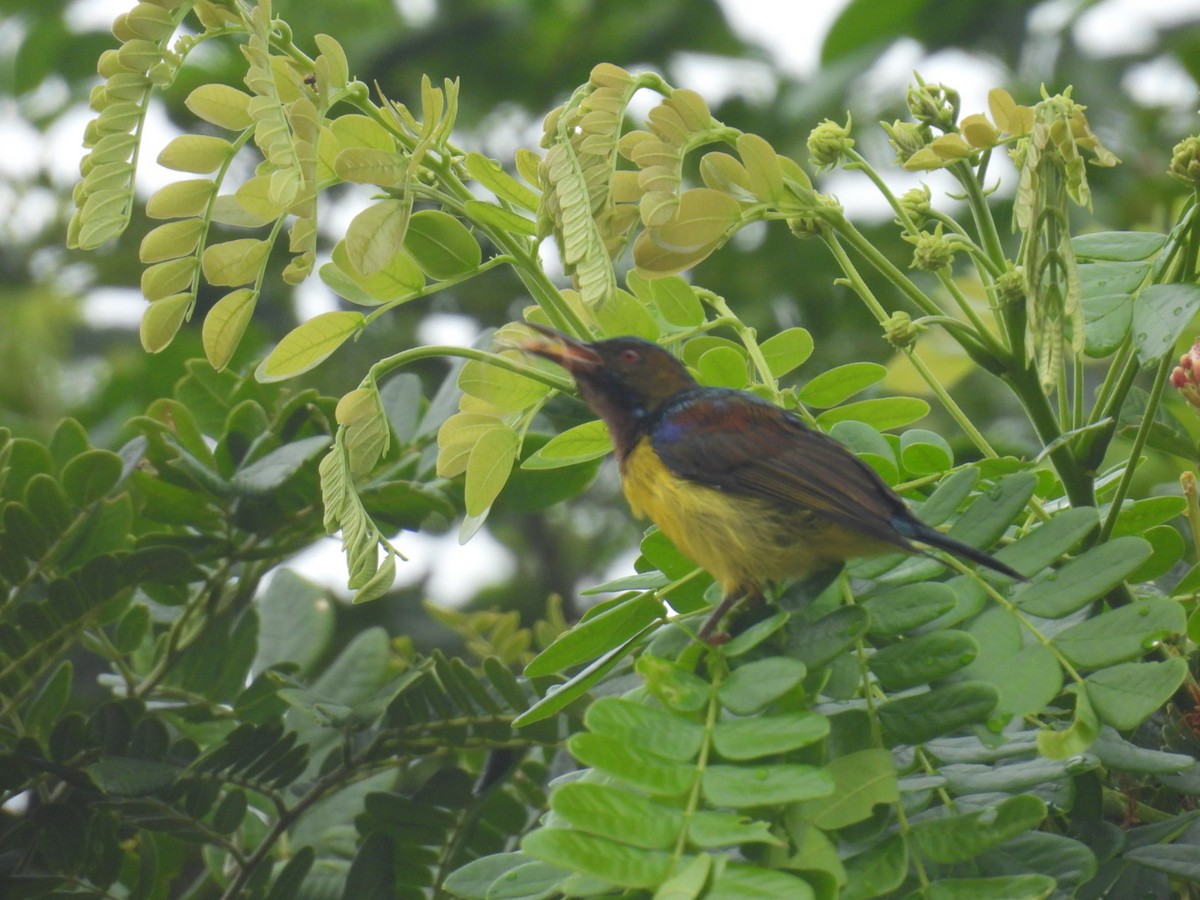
x=919 y=531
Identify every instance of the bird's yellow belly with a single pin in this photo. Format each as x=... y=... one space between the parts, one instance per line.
x=741 y=541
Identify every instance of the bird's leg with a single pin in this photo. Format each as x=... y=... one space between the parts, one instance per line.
x=708 y=631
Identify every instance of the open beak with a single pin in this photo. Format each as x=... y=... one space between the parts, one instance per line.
x=574 y=356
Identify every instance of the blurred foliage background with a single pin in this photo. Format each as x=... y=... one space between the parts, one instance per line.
x=68 y=321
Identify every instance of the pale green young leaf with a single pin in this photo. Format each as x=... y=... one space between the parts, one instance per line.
x=762 y=167
x=180 y=199
x=703 y=218
x=672 y=296
x=1076 y=738
x=579 y=444
x=171 y=240
x=166 y=278
x=488 y=468
x=376 y=235
x=504 y=220
x=234 y=263
x=366 y=165
x=621 y=313
x=397 y=279
x=840 y=383
x=335 y=56
x=162 y=319
x=307 y=345
x=357 y=130
x=506 y=391
x=254 y=199
x=196 y=153
x=489 y=173
x=222 y=105
x=225 y=324
x=441 y=245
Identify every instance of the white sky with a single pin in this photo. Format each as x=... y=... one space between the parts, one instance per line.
x=791 y=33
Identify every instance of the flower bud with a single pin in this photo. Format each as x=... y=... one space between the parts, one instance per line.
x=933 y=250
x=901 y=331
x=828 y=143
x=907 y=138
x=1010 y=287
x=934 y=104
x=1185 y=161
x=916 y=202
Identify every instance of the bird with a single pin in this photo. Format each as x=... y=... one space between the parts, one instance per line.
x=744 y=488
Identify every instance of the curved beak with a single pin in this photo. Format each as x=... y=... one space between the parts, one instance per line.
x=573 y=355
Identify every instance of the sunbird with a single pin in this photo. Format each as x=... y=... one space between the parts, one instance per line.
x=744 y=488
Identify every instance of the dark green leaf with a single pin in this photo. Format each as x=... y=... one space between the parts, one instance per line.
x=1084 y=579
x=1160 y=315
x=1120 y=634
x=1118 y=246
x=922 y=659
x=1124 y=695
x=863 y=780
x=957 y=838
x=752 y=686
x=633 y=765
x=919 y=718
x=902 y=609
x=658 y=730
x=758 y=736
x=597 y=635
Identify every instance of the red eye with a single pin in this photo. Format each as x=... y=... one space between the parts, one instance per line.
x=630 y=356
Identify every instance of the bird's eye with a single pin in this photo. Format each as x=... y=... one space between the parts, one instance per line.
x=630 y=356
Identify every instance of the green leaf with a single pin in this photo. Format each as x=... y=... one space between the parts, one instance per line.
x=91 y=475
x=660 y=731
x=818 y=643
x=1107 y=319
x=1124 y=695
x=599 y=857
x=1118 y=246
x=862 y=779
x=902 y=609
x=441 y=245
x=922 y=717
x=882 y=413
x=580 y=444
x=620 y=815
x=1100 y=278
x=597 y=635
x=198 y=154
x=958 y=838
x=722 y=829
x=742 y=882
x=559 y=696
x=234 y=263
x=922 y=659
x=270 y=472
x=840 y=383
x=1160 y=315
x=878 y=871
x=1027 y=676
x=1044 y=544
x=752 y=686
x=758 y=736
x=502 y=219
x=473 y=880
x=723 y=367
x=634 y=766
x=1076 y=738
x=1084 y=579
x=702 y=218
x=490 y=174
x=129 y=777
x=1003 y=887
x=764 y=785
x=309 y=344
x=621 y=313
x=1120 y=634
x=925 y=452
x=674 y=298
x=787 y=350
x=1180 y=860
x=368 y=165
x=297 y=622
x=488 y=468
x=506 y=391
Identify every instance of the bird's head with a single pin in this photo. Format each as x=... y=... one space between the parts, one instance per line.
x=624 y=380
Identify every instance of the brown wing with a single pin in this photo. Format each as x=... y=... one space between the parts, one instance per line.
x=738 y=443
